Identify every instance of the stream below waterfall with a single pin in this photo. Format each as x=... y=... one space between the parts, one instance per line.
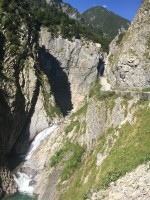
x=25 y=190
x=20 y=196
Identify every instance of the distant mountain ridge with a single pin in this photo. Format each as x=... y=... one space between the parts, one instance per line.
x=102 y=20
x=97 y=18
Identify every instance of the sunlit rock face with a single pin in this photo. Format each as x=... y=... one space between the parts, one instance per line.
x=66 y=8
x=77 y=59
x=128 y=65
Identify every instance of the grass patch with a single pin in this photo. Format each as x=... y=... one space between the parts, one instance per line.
x=76 y=152
x=146 y=89
x=110 y=130
x=98 y=94
x=130 y=150
x=95 y=89
x=82 y=110
x=83 y=127
x=105 y=95
x=148 y=42
x=124 y=103
x=78 y=187
x=73 y=162
x=71 y=126
x=59 y=156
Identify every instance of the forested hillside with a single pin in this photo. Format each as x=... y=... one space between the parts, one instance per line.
x=105 y=21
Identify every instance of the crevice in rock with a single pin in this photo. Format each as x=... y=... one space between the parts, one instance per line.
x=100 y=68
x=22 y=144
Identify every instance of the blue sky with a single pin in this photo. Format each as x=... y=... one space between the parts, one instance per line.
x=124 y=8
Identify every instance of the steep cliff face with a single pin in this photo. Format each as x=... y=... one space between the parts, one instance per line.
x=22 y=81
x=78 y=60
x=28 y=96
x=71 y=12
x=129 y=66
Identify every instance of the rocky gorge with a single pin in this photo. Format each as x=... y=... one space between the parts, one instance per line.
x=89 y=135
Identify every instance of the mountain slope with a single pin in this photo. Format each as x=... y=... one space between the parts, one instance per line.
x=60 y=6
x=105 y=21
x=61 y=23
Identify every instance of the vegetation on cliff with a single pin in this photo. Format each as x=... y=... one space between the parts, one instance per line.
x=60 y=23
x=104 y=21
x=70 y=156
x=128 y=148
x=102 y=141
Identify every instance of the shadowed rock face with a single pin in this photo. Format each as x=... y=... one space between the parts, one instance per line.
x=100 y=68
x=78 y=59
x=19 y=80
x=58 y=79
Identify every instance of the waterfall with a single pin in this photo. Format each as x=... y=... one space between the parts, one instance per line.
x=38 y=139
x=23 y=182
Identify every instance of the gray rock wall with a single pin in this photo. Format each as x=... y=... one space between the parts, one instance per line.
x=102 y=115
x=78 y=59
x=128 y=66
x=134 y=185
x=66 y=8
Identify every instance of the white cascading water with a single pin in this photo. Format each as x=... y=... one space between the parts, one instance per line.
x=22 y=180
x=38 y=139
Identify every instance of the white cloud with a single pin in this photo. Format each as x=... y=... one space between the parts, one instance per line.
x=104 y=6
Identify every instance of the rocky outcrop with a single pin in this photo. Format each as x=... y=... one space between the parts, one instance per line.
x=54 y=3
x=66 y=8
x=71 y=12
x=100 y=117
x=7 y=183
x=134 y=185
x=76 y=59
x=128 y=66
